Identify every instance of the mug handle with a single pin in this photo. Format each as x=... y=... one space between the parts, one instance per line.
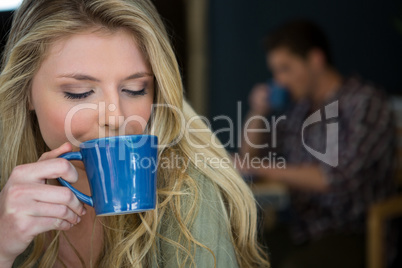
x=82 y=197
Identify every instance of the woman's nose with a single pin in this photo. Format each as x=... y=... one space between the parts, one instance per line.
x=110 y=115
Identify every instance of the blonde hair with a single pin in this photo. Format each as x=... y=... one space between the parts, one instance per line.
x=130 y=239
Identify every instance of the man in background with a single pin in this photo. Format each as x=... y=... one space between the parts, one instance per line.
x=333 y=173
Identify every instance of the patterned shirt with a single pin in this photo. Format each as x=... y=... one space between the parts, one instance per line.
x=363 y=174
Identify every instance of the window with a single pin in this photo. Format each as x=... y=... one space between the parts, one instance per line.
x=9 y=4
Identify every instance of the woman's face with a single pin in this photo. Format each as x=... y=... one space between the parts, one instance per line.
x=92 y=85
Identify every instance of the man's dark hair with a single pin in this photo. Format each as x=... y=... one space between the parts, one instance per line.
x=300 y=37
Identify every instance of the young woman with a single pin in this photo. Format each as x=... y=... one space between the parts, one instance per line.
x=114 y=54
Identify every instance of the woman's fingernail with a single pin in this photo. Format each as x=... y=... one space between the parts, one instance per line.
x=84 y=211
x=78 y=220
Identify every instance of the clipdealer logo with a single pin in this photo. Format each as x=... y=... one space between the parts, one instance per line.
x=331 y=154
x=330 y=112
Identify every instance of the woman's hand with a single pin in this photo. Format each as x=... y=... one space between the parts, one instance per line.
x=29 y=206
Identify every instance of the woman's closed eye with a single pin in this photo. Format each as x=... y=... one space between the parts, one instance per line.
x=84 y=95
x=77 y=96
x=134 y=93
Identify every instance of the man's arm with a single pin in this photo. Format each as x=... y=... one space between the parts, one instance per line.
x=255 y=120
x=304 y=177
x=252 y=139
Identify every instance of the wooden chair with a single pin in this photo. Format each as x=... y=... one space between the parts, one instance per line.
x=378 y=216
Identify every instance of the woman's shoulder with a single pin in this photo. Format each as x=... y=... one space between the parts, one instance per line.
x=210 y=202
x=209 y=225
x=207 y=189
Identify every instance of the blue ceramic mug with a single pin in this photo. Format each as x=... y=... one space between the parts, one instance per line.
x=121 y=172
x=278 y=97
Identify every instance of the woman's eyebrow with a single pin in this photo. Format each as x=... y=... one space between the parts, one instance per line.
x=85 y=77
x=80 y=77
x=137 y=75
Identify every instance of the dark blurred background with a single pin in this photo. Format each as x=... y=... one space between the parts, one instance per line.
x=363 y=34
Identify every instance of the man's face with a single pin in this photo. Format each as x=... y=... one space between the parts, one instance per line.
x=292 y=72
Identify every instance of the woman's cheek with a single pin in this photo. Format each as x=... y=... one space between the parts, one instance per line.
x=146 y=114
x=137 y=122
x=82 y=126
x=134 y=125
x=51 y=123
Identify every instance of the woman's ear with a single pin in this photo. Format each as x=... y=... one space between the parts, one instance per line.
x=317 y=59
